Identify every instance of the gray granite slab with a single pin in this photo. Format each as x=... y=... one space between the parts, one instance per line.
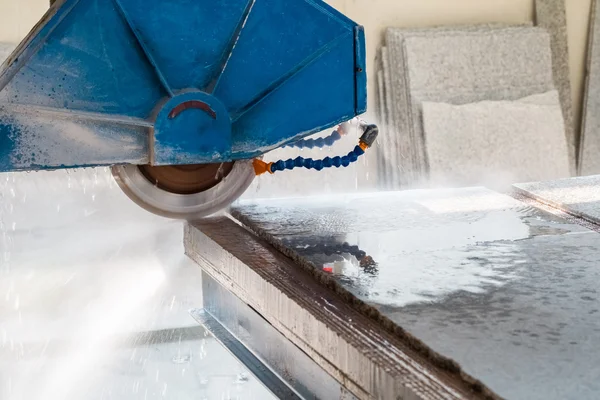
x=489 y=61
x=432 y=56
x=399 y=157
x=406 y=153
x=552 y=15
x=507 y=290
x=385 y=141
x=464 y=67
x=381 y=105
x=403 y=153
x=392 y=157
x=495 y=143
x=385 y=65
x=589 y=148
x=579 y=196
x=382 y=148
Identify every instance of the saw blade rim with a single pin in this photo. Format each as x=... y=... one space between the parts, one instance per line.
x=184 y=206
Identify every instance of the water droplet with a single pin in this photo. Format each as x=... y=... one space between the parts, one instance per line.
x=242 y=378
x=136 y=386
x=181 y=359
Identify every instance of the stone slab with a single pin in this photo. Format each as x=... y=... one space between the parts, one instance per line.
x=382 y=116
x=589 y=148
x=406 y=97
x=372 y=362
x=465 y=67
x=507 y=290
x=487 y=62
x=578 y=196
x=398 y=155
x=495 y=143
x=389 y=137
x=552 y=15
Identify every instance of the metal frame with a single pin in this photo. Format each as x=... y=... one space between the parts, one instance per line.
x=275 y=385
x=263 y=349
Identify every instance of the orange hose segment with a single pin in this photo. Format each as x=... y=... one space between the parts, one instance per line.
x=260 y=167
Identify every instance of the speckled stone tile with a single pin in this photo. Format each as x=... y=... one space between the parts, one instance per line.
x=381 y=103
x=495 y=143
x=488 y=62
x=465 y=67
x=382 y=117
x=507 y=290
x=589 y=148
x=386 y=141
x=399 y=153
x=552 y=15
x=579 y=196
x=404 y=153
x=389 y=135
x=494 y=76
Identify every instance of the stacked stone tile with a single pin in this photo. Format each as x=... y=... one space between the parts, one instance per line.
x=484 y=76
x=589 y=148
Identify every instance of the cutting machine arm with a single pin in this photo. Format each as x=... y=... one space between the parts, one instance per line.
x=177 y=96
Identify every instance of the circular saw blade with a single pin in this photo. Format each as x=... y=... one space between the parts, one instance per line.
x=185 y=192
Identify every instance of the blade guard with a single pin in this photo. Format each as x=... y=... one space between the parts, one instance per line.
x=102 y=82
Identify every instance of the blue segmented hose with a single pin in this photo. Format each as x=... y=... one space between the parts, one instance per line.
x=309 y=163
x=366 y=140
x=320 y=142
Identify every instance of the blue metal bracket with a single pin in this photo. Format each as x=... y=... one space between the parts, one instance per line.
x=193 y=127
x=360 y=71
x=101 y=82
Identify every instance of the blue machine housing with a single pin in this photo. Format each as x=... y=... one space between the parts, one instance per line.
x=104 y=82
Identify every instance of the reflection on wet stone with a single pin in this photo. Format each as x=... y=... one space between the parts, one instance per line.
x=503 y=288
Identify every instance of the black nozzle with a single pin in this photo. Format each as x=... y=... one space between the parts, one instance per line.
x=370 y=134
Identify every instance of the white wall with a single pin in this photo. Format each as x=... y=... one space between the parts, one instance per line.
x=17 y=17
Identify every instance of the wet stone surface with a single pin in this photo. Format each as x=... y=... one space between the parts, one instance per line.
x=508 y=291
x=579 y=196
